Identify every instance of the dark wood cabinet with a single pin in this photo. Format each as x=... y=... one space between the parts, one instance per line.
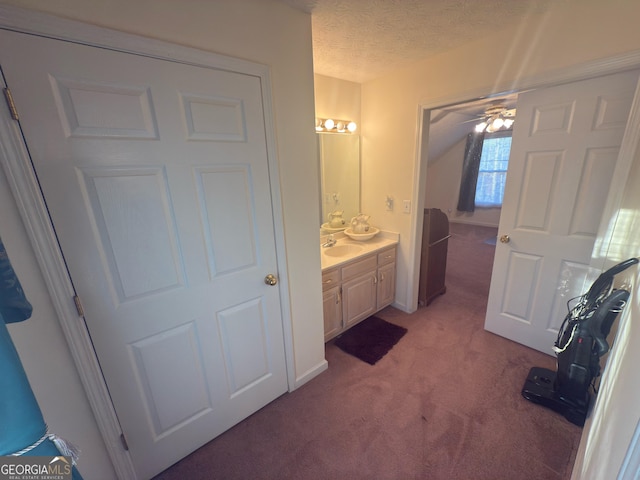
x=433 y=261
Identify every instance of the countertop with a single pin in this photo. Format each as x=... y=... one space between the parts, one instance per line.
x=382 y=240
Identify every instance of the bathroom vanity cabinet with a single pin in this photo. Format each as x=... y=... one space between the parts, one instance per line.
x=357 y=289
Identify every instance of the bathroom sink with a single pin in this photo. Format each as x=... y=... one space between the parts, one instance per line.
x=342 y=250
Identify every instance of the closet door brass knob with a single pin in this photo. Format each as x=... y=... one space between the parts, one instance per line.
x=505 y=239
x=270 y=279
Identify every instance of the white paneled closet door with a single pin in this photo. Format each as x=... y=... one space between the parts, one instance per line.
x=156 y=178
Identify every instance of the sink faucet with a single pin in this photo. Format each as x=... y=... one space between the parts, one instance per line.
x=330 y=241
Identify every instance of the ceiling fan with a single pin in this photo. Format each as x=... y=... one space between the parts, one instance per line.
x=496 y=117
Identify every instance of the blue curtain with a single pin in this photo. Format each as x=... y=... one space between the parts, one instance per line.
x=21 y=422
x=470 y=168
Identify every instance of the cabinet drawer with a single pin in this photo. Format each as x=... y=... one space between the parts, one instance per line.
x=387 y=256
x=330 y=279
x=367 y=264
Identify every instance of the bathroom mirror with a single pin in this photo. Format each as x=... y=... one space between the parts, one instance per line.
x=339 y=175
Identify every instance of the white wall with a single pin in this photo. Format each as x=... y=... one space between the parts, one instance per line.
x=336 y=98
x=616 y=413
x=443 y=179
x=264 y=32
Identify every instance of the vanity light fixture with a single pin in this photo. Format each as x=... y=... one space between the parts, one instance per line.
x=328 y=125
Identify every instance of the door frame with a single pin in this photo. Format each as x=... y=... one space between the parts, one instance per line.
x=628 y=150
x=611 y=65
x=24 y=187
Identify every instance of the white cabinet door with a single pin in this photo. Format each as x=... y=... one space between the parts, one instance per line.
x=156 y=178
x=386 y=285
x=332 y=309
x=563 y=155
x=358 y=298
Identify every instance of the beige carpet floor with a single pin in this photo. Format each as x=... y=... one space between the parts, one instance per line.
x=443 y=404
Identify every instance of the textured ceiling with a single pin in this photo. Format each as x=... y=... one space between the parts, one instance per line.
x=359 y=40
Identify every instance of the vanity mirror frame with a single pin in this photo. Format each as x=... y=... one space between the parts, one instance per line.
x=340 y=176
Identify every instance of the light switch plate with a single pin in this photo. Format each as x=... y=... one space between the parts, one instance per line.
x=389 y=203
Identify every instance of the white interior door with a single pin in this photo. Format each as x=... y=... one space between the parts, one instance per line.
x=156 y=178
x=563 y=155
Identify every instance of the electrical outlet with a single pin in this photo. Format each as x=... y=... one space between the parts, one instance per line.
x=406 y=206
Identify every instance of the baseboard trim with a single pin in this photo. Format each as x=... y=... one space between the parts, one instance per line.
x=476 y=224
x=310 y=375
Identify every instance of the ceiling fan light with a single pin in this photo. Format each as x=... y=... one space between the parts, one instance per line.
x=496 y=117
x=497 y=123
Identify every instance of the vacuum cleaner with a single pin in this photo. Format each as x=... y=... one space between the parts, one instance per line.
x=582 y=340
